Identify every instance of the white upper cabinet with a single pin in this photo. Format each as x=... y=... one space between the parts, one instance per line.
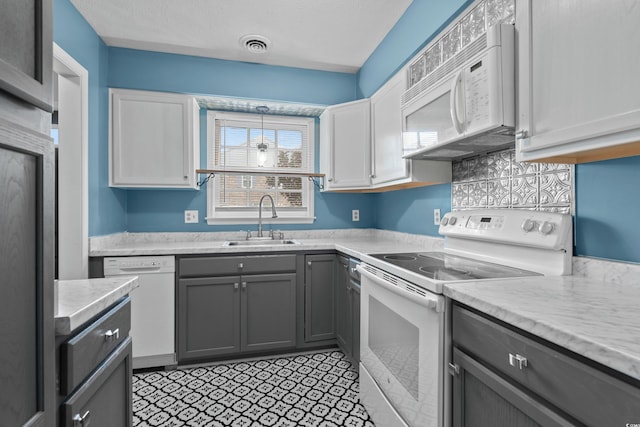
x=386 y=139
x=578 y=90
x=153 y=140
x=345 y=155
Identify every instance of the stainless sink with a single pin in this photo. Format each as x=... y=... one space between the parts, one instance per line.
x=264 y=242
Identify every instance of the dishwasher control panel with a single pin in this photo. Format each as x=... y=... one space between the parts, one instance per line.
x=122 y=265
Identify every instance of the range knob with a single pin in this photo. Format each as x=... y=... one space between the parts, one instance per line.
x=546 y=228
x=453 y=220
x=528 y=225
x=445 y=220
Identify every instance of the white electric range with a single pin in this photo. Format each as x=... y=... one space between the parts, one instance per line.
x=404 y=342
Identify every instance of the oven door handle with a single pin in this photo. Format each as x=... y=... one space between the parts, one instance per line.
x=430 y=300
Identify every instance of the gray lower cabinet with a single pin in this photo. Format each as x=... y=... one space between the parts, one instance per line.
x=347 y=310
x=95 y=372
x=320 y=297
x=343 y=306
x=235 y=314
x=504 y=377
x=208 y=317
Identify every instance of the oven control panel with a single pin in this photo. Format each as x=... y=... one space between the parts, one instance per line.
x=519 y=227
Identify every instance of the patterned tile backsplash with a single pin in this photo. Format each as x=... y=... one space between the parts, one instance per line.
x=497 y=180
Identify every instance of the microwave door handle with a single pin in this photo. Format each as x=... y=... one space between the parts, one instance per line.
x=453 y=103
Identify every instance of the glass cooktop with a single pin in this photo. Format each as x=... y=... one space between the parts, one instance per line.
x=446 y=267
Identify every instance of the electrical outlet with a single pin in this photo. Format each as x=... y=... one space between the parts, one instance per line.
x=355 y=215
x=190 y=217
x=436 y=216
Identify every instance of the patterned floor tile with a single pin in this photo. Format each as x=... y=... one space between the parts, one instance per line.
x=316 y=390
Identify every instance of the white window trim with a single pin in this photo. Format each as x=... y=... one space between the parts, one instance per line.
x=303 y=216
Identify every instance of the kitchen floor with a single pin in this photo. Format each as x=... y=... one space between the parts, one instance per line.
x=313 y=390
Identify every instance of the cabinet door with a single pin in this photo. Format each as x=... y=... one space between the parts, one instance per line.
x=26 y=50
x=482 y=398
x=355 y=304
x=386 y=138
x=26 y=269
x=268 y=311
x=104 y=399
x=153 y=140
x=208 y=317
x=343 y=306
x=345 y=145
x=320 y=297
x=578 y=97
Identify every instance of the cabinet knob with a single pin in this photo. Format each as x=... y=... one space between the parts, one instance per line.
x=112 y=335
x=517 y=361
x=454 y=369
x=330 y=179
x=244 y=285
x=235 y=286
x=240 y=265
x=309 y=263
x=522 y=134
x=373 y=175
x=81 y=421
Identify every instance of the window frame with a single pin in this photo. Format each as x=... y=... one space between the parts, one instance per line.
x=249 y=215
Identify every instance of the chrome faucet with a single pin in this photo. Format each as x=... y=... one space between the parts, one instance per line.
x=273 y=212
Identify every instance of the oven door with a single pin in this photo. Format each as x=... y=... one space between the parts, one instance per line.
x=402 y=352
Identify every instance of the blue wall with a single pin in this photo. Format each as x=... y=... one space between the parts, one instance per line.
x=608 y=209
x=107 y=206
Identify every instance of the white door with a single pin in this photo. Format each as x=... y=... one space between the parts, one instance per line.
x=578 y=85
x=386 y=123
x=345 y=145
x=402 y=349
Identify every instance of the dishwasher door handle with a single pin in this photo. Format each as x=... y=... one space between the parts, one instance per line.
x=126 y=270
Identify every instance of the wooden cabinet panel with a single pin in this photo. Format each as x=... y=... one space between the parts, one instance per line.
x=208 y=317
x=343 y=306
x=268 y=312
x=26 y=51
x=578 y=97
x=82 y=353
x=153 y=140
x=587 y=394
x=345 y=145
x=26 y=266
x=104 y=399
x=386 y=138
x=320 y=296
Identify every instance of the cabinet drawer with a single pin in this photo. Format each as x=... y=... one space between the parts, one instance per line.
x=228 y=266
x=84 y=352
x=104 y=400
x=586 y=393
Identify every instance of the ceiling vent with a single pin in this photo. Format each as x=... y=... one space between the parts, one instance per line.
x=255 y=44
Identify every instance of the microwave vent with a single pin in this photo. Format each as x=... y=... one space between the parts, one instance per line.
x=454 y=63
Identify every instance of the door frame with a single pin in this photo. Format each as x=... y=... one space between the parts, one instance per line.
x=73 y=205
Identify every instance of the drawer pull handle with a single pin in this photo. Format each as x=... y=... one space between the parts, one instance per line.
x=517 y=361
x=81 y=421
x=112 y=335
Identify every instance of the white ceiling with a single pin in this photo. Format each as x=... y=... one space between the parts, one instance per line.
x=330 y=35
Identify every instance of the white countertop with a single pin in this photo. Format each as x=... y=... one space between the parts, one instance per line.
x=80 y=300
x=597 y=317
x=593 y=318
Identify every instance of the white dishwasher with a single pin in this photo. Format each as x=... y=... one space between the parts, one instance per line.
x=152 y=307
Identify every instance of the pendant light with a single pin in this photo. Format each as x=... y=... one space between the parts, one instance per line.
x=262 y=146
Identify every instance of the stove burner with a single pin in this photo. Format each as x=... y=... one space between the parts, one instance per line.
x=400 y=257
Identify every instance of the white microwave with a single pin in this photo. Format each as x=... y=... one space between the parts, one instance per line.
x=467 y=105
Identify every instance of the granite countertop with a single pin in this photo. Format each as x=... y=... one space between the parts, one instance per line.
x=79 y=300
x=351 y=242
x=594 y=318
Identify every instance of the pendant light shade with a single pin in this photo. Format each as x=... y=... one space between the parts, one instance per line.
x=262 y=146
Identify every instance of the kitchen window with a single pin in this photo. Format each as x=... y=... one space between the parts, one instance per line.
x=263 y=146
